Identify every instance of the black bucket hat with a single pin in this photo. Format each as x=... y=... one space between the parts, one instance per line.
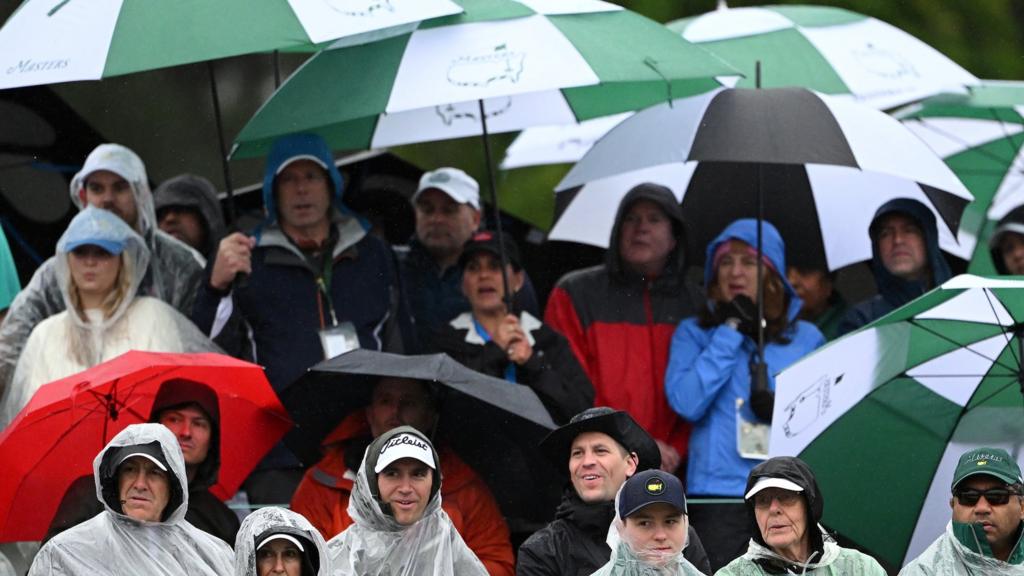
x=615 y=423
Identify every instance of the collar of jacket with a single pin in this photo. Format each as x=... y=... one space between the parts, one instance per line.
x=972 y=537
x=593 y=519
x=348 y=231
x=464 y=321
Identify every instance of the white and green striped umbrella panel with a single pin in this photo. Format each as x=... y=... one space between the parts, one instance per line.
x=533 y=64
x=826 y=166
x=830 y=50
x=883 y=414
x=981 y=137
x=50 y=41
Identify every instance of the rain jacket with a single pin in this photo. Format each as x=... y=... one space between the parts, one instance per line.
x=324 y=493
x=575 y=543
x=552 y=371
x=114 y=544
x=173 y=276
x=377 y=545
x=273 y=520
x=963 y=551
x=619 y=324
x=190 y=191
x=84 y=343
x=9 y=283
x=1012 y=222
x=826 y=557
x=709 y=369
x=894 y=292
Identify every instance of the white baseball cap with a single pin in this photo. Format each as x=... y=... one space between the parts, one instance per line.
x=298 y=157
x=773 y=483
x=458 y=185
x=404 y=446
x=281 y=536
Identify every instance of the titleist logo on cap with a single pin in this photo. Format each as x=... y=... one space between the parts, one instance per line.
x=406 y=440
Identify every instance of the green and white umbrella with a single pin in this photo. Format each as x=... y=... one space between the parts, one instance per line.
x=830 y=50
x=530 y=63
x=50 y=41
x=980 y=136
x=882 y=414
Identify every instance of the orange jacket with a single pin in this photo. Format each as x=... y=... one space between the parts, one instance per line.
x=323 y=496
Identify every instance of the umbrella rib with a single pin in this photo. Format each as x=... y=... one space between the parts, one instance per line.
x=979 y=149
x=993 y=361
x=1006 y=334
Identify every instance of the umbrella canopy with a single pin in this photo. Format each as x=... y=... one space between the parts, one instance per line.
x=54 y=439
x=530 y=63
x=831 y=50
x=824 y=167
x=494 y=425
x=48 y=41
x=899 y=401
x=980 y=136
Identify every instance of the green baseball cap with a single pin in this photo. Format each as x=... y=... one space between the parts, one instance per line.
x=994 y=462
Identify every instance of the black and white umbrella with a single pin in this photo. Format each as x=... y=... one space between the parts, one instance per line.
x=823 y=165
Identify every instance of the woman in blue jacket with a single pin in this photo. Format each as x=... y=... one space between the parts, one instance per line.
x=708 y=381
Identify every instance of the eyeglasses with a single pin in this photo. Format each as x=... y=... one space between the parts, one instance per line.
x=994 y=496
x=763 y=499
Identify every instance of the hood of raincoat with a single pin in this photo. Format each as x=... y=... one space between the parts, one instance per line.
x=106 y=463
x=772 y=246
x=1012 y=222
x=126 y=164
x=287 y=147
x=99 y=225
x=198 y=193
x=949 y=555
x=664 y=199
x=376 y=544
x=796 y=471
x=896 y=290
x=178 y=393
x=272 y=520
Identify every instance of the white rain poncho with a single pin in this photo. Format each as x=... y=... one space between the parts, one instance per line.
x=377 y=545
x=272 y=520
x=947 y=556
x=76 y=339
x=113 y=544
x=174 y=275
x=834 y=561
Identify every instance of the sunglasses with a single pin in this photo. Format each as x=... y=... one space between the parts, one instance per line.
x=763 y=499
x=994 y=496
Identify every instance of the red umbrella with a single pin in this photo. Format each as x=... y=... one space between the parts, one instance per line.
x=54 y=438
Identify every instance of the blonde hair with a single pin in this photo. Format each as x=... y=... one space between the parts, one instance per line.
x=122 y=286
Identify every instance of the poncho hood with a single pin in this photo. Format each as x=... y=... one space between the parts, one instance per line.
x=126 y=164
x=272 y=520
x=106 y=464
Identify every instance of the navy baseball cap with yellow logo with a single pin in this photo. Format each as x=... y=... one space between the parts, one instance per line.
x=994 y=462
x=650 y=487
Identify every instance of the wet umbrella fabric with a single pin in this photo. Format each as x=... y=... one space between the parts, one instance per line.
x=981 y=137
x=901 y=400
x=495 y=426
x=824 y=167
x=53 y=439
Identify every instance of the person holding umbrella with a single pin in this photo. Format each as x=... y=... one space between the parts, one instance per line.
x=986 y=535
x=326 y=489
x=100 y=265
x=276 y=540
x=400 y=527
x=784 y=506
x=906 y=260
x=141 y=481
x=714 y=377
x=619 y=317
x=495 y=341
x=113 y=178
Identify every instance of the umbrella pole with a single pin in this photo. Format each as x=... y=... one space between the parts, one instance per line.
x=760 y=264
x=220 y=140
x=494 y=204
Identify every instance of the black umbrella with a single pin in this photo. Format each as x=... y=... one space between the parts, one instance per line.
x=494 y=425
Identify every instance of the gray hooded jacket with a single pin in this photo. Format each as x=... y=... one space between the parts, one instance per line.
x=174 y=274
x=114 y=544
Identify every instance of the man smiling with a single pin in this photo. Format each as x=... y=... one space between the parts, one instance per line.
x=986 y=533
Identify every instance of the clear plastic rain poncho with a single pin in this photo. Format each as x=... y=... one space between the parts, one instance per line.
x=834 y=561
x=947 y=556
x=377 y=545
x=273 y=520
x=630 y=559
x=174 y=277
x=77 y=339
x=113 y=544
